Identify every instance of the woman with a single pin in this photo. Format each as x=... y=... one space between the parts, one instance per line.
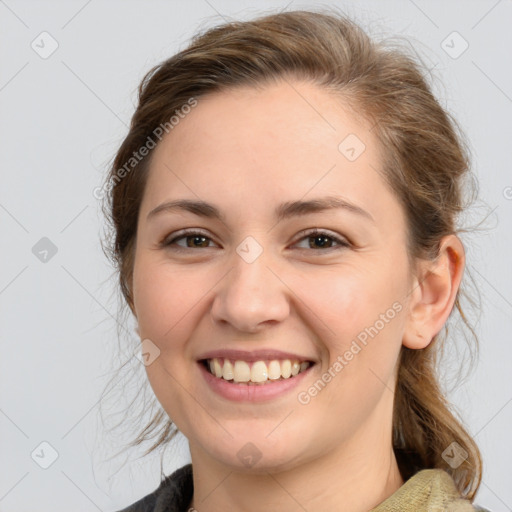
x=284 y=209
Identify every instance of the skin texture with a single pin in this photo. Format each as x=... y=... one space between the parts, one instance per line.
x=246 y=151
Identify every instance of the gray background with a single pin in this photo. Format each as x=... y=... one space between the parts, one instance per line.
x=62 y=118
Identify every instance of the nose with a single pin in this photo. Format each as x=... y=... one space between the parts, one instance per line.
x=251 y=296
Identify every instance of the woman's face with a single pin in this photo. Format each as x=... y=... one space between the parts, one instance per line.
x=257 y=285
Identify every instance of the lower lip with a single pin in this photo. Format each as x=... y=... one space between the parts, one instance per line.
x=241 y=392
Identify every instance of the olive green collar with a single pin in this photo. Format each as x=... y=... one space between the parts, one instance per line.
x=429 y=490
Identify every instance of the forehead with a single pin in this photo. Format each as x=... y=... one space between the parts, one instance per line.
x=285 y=115
x=283 y=140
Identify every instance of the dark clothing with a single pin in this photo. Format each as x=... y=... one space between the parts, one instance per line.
x=174 y=494
x=429 y=490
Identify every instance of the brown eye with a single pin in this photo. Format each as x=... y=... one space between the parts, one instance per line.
x=193 y=240
x=316 y=240
x=323 y=240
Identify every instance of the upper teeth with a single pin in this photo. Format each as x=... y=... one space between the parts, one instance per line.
x=259 y=371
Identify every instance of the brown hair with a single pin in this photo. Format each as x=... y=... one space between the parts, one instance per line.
x=425 y=161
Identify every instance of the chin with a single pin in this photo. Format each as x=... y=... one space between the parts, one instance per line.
x=256 y=454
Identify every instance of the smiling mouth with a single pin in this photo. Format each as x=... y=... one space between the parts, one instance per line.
x=256 y=372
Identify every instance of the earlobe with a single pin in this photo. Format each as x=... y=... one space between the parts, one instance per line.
x=434 y=292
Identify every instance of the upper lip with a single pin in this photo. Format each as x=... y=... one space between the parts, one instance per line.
x=253 y=355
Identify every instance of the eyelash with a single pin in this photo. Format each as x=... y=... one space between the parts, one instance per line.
x=342 y=243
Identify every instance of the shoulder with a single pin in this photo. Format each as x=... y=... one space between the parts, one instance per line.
x=442 y=484
x=428 y=489
x=173 y=495
x=448 y=488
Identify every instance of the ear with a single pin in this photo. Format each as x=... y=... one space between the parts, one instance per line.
x=433 y=293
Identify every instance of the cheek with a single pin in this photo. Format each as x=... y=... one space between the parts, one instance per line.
x=163 y=298
x=360 y=347
x=359 y=317
x=347 y=301
x=167 y=302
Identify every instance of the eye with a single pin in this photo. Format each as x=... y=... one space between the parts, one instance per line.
x=193 y=239
x=318 y=239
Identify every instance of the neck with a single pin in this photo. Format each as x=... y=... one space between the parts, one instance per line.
x=337 y=481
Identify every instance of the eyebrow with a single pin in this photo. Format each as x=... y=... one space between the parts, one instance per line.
x=283 y=211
